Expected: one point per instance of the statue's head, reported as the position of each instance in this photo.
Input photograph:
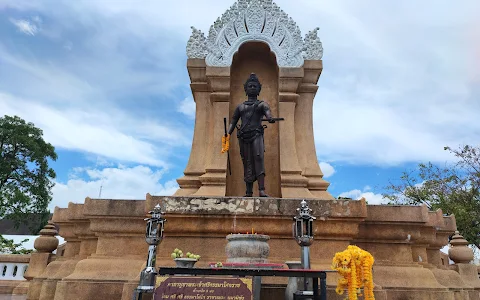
(252, 86)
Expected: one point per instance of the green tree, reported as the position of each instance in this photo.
(454, 188)
(8, 246)
(26, 179)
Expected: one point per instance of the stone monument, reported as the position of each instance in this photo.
(254, 37)
(105, 248)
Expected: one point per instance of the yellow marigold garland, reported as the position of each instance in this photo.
(225, 143)
(354, 266)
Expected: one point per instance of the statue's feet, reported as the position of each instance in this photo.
(262, 193)
(247, 195)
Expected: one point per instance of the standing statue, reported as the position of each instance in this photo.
(250, 135)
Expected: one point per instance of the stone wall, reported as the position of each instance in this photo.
(106, 249)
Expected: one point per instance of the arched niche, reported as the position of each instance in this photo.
(255, 57)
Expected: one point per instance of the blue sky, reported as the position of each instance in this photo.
(107, 82)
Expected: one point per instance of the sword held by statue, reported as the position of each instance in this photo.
(274, 119)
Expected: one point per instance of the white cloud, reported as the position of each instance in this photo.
(327, 169)
(187, 106)
(96, 100)
(116, 183)
(370, 197)
(25, 26)
(114, 135)
(399, 99)
(388, 94)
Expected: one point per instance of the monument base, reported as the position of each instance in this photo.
(200, 225)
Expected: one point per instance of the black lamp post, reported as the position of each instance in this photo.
(153, 237)
(303, 233)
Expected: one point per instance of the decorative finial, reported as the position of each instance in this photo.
(313, 45)
(47, 242)
(459, 251)
(197, 44)
(304, 211)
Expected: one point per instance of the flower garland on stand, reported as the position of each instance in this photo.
(355, 268)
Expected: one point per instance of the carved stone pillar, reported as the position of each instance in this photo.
(76, 227)
(304, 135)
(45, 244)
(190, 183)
(462, 255)
(116, 223)
(388, 233)
(214, 180)
(444, 226)
(293, 184)
(427, 241)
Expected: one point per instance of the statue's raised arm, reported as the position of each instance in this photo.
(267, 112)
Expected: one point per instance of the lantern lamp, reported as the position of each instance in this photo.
(153, 236)
(303, 234)
(303, 227)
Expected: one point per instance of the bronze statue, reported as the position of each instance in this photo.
(250, 135)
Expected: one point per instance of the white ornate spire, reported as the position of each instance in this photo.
(254, 20)
(313, 46)
(196, 45)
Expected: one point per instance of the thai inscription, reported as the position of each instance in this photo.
(203, 288)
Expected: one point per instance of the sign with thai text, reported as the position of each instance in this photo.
(203, 288)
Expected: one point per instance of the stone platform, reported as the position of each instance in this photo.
(106, 248)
